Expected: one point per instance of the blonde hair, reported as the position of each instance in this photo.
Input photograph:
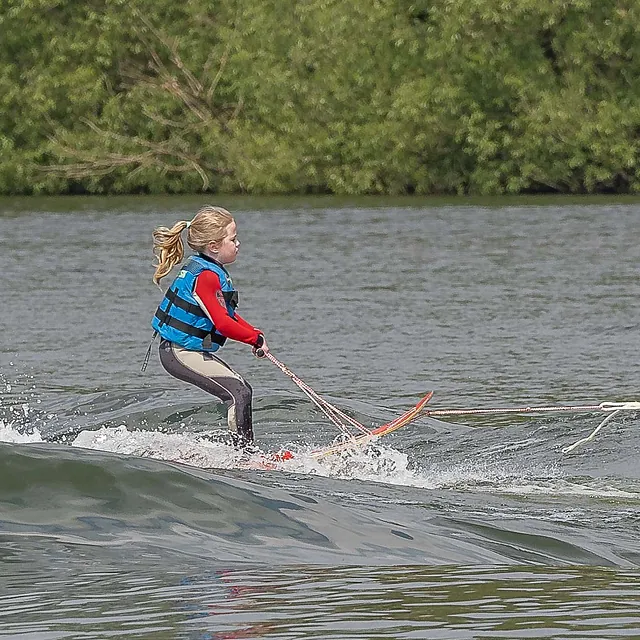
(208, 225)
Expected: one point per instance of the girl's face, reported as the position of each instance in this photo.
(226, 251)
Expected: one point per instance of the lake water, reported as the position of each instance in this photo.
(122, 514)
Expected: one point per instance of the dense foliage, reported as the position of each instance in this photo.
(339, 96)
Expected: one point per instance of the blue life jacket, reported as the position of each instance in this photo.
(181, 320)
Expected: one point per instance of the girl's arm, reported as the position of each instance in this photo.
(208, 293)
(242, 322)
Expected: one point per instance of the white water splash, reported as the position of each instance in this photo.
(9, 434)
(184, 448)
(197, 449)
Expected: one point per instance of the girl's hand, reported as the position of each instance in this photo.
(261, 349)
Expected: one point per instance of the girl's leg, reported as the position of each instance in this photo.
(214, 376)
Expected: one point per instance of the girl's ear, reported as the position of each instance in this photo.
(213, 247)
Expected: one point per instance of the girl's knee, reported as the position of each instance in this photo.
(240, 391)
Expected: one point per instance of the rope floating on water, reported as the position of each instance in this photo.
(614, 407)
(603, 406)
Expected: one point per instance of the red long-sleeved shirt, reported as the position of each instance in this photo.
(208, 292)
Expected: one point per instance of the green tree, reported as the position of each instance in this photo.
(409, 96)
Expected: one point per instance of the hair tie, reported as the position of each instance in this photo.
(188, 224)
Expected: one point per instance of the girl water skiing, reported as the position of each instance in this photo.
(198, 312)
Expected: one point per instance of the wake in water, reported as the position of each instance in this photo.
(495, 471)
(524, 458)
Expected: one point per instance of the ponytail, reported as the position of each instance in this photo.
(168, 248)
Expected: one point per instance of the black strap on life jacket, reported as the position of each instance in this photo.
(174, 299)
(145, 362)
(189, 329)
(230, 297)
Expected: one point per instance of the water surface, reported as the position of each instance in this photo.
(123, 513)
